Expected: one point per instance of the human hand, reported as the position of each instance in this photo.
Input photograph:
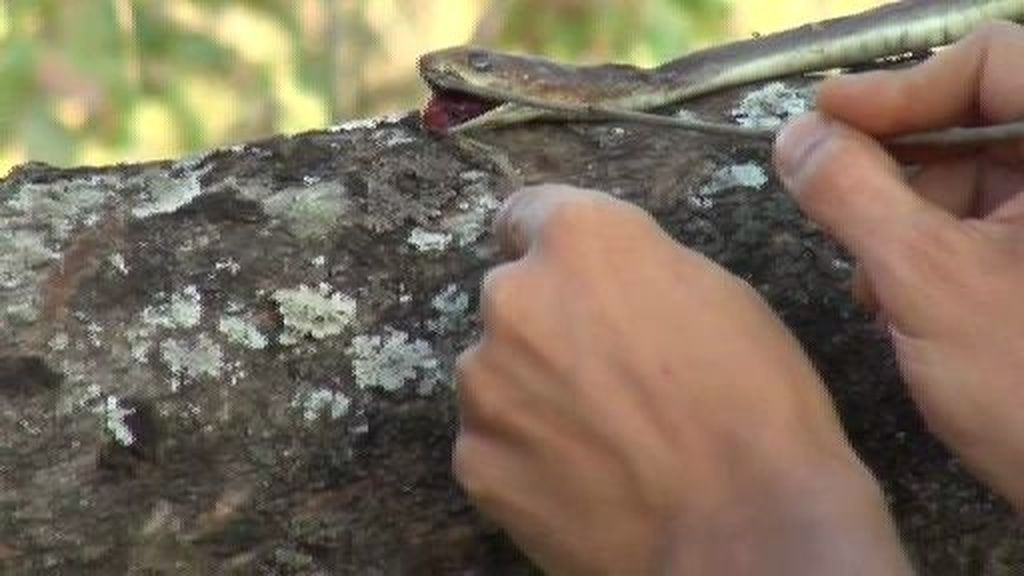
(634, 409)
(941, 253)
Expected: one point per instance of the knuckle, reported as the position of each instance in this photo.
(570, 219)
(463, 461)
(574, 222)
(503, 297)
(479, 401)
(468, 463)
(467, 368)
(479, 404)
(465, 364)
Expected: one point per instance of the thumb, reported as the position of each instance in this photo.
(847, 183)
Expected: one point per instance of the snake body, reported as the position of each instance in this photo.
(474, 87)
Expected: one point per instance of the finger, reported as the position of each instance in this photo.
(482, 466)
(846, 182)
(506, 304)
(863, 292)
(1002, 195)
(521, 221)
(475, 392)
(975, 81)
(952, 186)
(502, 483)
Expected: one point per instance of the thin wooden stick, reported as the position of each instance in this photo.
(959, 136)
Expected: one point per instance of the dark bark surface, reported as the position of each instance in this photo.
(241, 363)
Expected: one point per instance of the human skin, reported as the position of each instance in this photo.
(631, 408)
(941, 253)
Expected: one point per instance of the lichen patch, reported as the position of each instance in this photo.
(165, 194)
(36, 221)
(365, 123)
(452, 307)
(772, 105)
(308, 211)
(114, 421)
(428, 241)
(242, 332)
(473, 218)
(321, 402)
(390, 360)
(191, 359)
(316, 313)
(184, 310)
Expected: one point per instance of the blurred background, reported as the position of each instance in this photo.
(108, 81)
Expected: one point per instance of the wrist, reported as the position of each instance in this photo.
(820, 522)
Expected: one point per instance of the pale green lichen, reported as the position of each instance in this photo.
(472, 176)
(95, 332)
(165, 195)
(749, 175)
(59, 342)
(229, 264)
(191, 360)
(62, 208)
(78, 393)
(772, 105)
(36, 220)
(242, 332)
(313, 313)
(427, 241)
(391, 137)
(308, 212)
(118, 262)
(452, 306)
(365, 123)
(21, 252)
(474, 216)
(465, 225)
(391, 360)
(314, 403)
(24, 311)
(184, 310)
(114, 421)
(139, 342)
(235, 371)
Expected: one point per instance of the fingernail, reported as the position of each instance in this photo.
(796, 144)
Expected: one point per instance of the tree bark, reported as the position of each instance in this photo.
(241, 363)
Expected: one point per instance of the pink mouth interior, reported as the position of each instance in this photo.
(446, 110)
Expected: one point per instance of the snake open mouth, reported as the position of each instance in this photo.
(447, 109)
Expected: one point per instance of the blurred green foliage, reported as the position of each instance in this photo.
(650, 31)
(76, 73)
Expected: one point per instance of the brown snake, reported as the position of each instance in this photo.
(476, 88)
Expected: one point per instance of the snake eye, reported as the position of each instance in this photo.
(479, 61)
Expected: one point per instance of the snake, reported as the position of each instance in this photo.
(474, 87)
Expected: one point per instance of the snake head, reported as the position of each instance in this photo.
(464, 80)
(452, 75)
